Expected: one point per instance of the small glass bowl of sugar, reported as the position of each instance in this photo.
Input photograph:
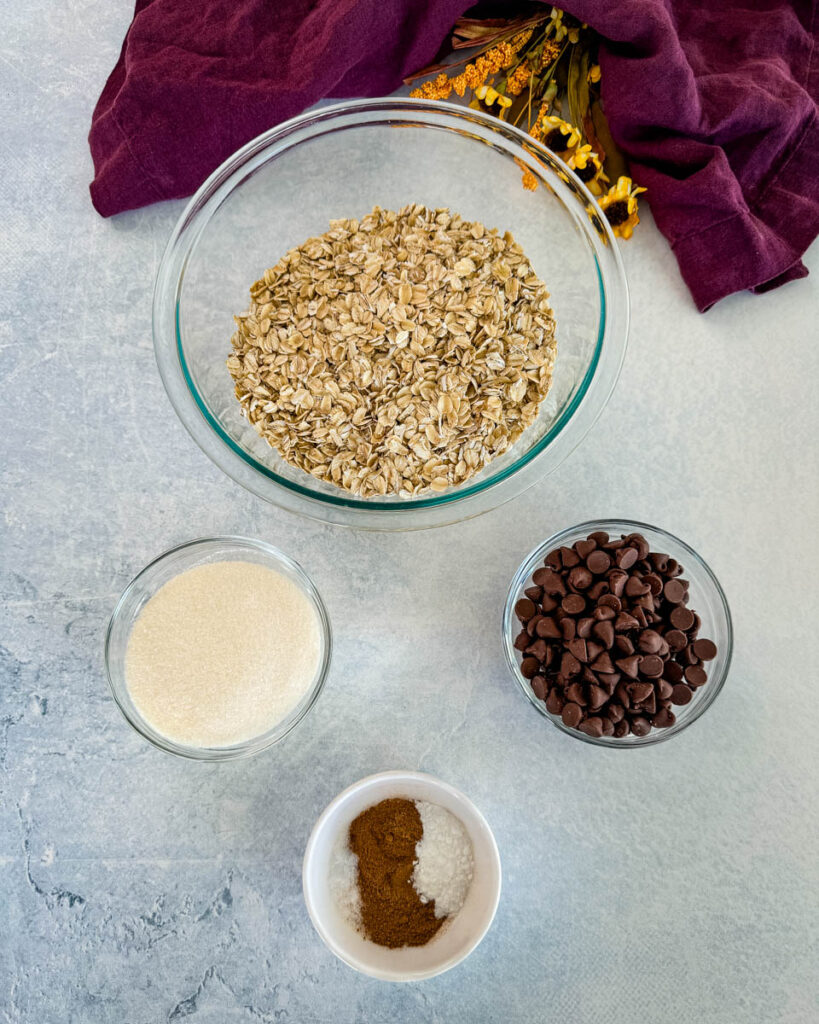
(218, 648)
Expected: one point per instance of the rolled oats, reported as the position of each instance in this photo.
(395, 354)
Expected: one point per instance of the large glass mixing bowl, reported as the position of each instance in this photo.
(340, 161)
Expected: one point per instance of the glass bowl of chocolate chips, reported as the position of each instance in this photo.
(618, 633)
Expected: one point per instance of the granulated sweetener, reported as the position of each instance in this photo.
(222, 653)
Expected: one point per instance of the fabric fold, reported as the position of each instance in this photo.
(714, 105)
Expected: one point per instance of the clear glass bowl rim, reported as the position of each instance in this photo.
(611, 283)
(709, 693)
(257, 743)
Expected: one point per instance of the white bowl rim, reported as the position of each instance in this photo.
(399, 775)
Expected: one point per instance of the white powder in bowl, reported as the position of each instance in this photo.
(344, 880)
(444, 865)
(222, 653)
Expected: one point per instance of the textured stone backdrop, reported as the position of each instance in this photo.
(674, 885)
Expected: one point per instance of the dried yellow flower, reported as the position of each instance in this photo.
(519, 79)
(586, 165)
(620, 207)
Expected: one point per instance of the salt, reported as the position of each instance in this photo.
(344, 880)
(444, 865)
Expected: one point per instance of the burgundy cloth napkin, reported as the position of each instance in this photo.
(715, 105)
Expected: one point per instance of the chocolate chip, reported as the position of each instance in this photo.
(621, 729)
(603, 612)
(664, 689)
(681, 694)
(539, 687)
(548, 629)
(569, 665)
(675, 638)
(597, 697)
(554, 702)
(553, 560)
(640, 692)
(663, 719)
(547, 604)
(585, 547)
(687, 656)
(654, 583)
(640, 726)
(674, 591)
(705, 650)
(598, 562)
(569, 558)
(622, 695)
(623, 645)
(571, 714)
(629, 666)
(610, 601)
(639, 542)
(659, 561)
(574, 693)
(681, 618)
(522, 640)
(651, 666)
(573, 604)
(602, 663)
(615, 713)
(604, 631)
(568, 629)
(525, 609)
(594, 649)
(584, 627)
(578, 649)
(537, 649)
(636, 588)
(608, 680)
(529, 667)
(626, 557)
(580, 578)
(624, 622)
(600, 537)
(550, 581)
(617, 582)
(534, 594)
(673, 671)
(696, 675)
(649, 641)
(592, 726)
(597, 590)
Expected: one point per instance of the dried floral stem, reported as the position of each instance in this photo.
(512, 72)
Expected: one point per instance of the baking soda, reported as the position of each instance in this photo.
(222, 653)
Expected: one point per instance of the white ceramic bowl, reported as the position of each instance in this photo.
(457, 940)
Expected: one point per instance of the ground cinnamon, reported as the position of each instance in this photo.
(383, 838)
